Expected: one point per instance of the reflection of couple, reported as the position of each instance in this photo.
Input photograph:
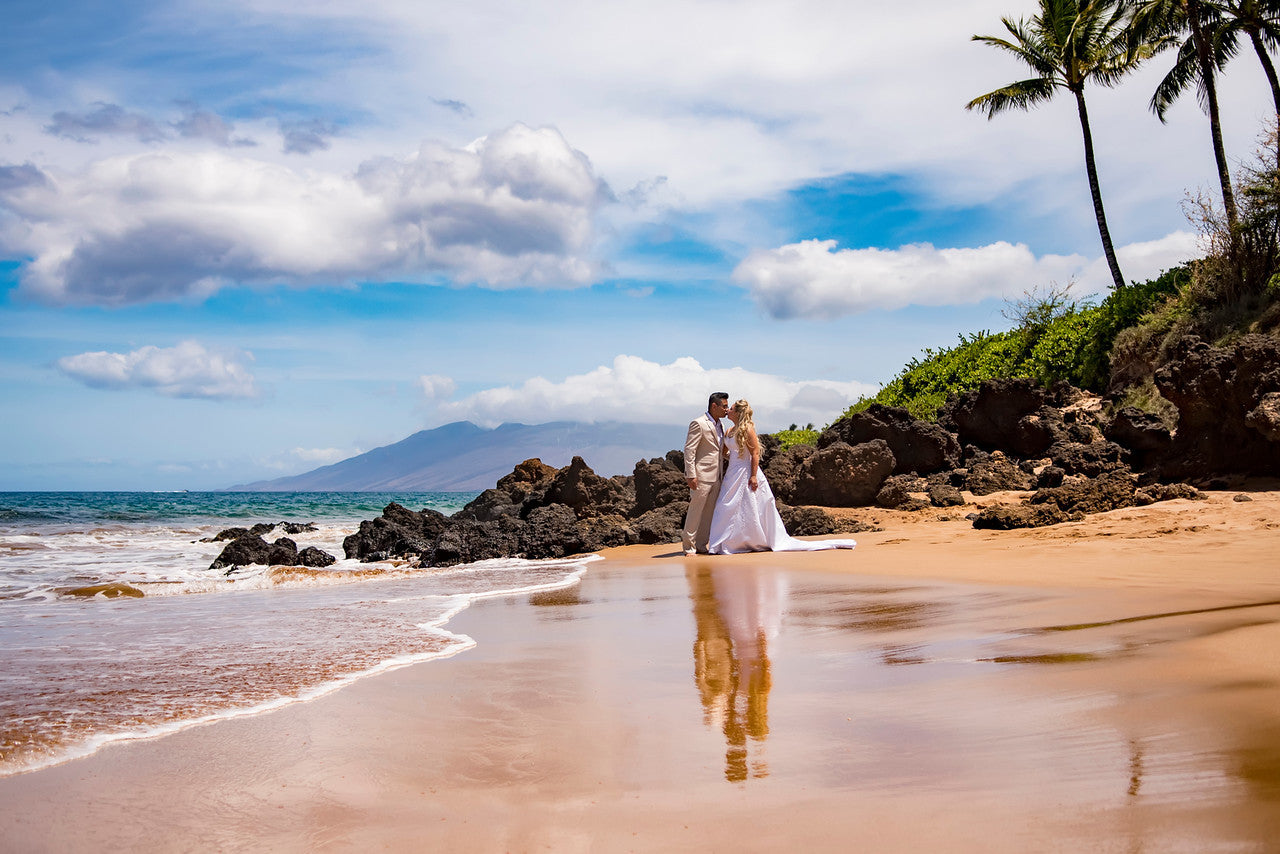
(738, 611)
(733, 512)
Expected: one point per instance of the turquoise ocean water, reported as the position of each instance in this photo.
(113, 627)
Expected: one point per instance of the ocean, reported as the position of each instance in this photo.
(113, 626)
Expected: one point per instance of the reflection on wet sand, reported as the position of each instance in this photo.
(737, 611)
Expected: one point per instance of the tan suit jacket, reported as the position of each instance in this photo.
(703, 457)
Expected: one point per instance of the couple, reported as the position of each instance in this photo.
(733, 512)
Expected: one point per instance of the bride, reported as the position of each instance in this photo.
(746, 518)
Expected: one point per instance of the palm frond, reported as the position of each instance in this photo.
(1022, 95)
(1185, 73)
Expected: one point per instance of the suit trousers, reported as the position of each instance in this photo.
(697, 522)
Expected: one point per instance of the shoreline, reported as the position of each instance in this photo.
(1113, 682)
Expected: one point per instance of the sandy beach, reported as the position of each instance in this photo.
(1105, 685)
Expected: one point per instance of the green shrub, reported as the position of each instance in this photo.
(796, 436)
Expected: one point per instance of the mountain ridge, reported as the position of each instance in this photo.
(462, 456)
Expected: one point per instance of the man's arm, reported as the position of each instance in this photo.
(690, 452)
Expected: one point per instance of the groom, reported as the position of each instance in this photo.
(703, 455)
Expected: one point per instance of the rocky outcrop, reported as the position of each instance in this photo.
(1226, 408)
(658, 483)
(1110, 491)
(588, 494)
(1006, 517)
(918, 446)
(806, 521)
(1089, 459)
(1265, 417)
(995, 473)
(783, 467)
(841, 475)
(1142, 433)
(250, 549)
(397, 532)
(1012, 416)
(945, 495)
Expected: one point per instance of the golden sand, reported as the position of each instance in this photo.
(1105, 685)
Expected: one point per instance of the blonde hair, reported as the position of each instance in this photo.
(743, 409)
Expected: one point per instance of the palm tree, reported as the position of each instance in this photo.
(1066, 45)
(1199, 58)
(1260, 21)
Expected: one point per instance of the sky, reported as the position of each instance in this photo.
(242, 239)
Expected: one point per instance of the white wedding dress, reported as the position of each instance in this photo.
(748, 521)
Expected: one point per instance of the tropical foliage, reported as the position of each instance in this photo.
(1068, 44)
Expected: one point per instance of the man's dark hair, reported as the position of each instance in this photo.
(722, 396)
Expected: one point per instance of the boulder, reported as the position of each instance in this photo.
(658, 482)
(1143, 433)
(297, 527)
(467, 541)
(1154, 492)
(918, 446)
(1225, 397)
(244, 550)
(996, 473)
(398, 532)
(489, 505)
(551, 531)
(1010, 415)
(770, 446)
(842, 475)
(1005, 517)
(1265, 417)
(284, 552)
(228, 534)
(586, 493)
(661, 524)
(806, 521)
(944, 495)
(1050, 476)
(896, 490)
(1110, 491)
(783, 467)
(527, 474)
(314, 557)
(603, 532)
(1090, 459)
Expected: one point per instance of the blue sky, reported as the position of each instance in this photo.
(243, 239)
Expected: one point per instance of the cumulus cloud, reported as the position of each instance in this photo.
(635, 389)
(436, 387)
(305, 137)
(202, 124)
(815, 280)
(511, 209)
(104, 120)
(187, 370)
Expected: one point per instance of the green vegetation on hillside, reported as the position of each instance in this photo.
(1115, 346)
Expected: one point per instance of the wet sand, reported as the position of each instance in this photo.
(1107, 685)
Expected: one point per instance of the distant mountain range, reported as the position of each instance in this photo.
(461, 456)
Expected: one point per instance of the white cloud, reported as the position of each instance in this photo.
(187, 370)
(513, 208)
(635, 389)
(322, 456)
(436, 386)
(813, 279)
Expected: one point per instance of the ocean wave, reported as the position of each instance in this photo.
(256, 654)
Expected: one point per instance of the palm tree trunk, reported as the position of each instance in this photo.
(1215, 122)
(1092, 168)
(1268, 67)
